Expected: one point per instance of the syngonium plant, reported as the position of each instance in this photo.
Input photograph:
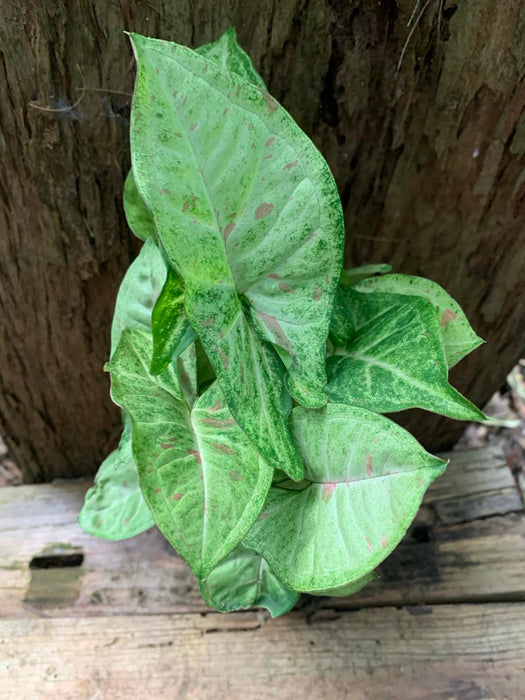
(252, 371)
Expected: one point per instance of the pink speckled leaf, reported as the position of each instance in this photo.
(389, 356)
(459, 339)
(365, 477)
(203, 480)
(248, 214)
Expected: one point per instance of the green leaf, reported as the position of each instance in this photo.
(357, 274)
(203, 480)
(244, 580)
(458, 337)
(171, 329)
(226, 52)
(366, 477)
(393, 357)
(249, 216)
(138, 292)
(114, 507)
(137, 213)
(230, 56)
(349, 588)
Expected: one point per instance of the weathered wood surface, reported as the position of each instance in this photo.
(467, 652)
(445, 620)
(467, 544)
(418, 107)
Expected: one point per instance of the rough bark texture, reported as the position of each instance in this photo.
(421, 121)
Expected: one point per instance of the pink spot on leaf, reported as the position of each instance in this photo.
(219, 423)
(168, 445)
(228, 229)
(271, 104)
(369, 470)
(327, 491)
(196, 454)
(263, 210)
(275, 328)
(291, 165)
(285, 287)
(236, 476)
(270, 141)
(176, 497)
(384, 542)
(448, 316)
(369, 545)
(317, 293)
(225, 449)
(224, 358)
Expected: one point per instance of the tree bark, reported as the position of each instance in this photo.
(417, 106)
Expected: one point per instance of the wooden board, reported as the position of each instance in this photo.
(470, 529)
(465, 651)
(446, 619)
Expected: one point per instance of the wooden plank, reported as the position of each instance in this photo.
(466, 651)
(477, 483)
(443, 558)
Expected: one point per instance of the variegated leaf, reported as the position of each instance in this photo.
(114, 507)
(137, 213)
(138, 292)
(171, 329)
(390, 357)
(203, 480)
(249, 216)
(458, 337)
(244, 580)
(365, 477)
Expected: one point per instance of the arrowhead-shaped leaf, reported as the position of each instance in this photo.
(365, 478)
(390, 356)
(203, 480)
(114, 507)
(244, 580)
(458, 337)
(172, 332)
(249, 216)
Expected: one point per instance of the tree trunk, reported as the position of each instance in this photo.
(417, 105)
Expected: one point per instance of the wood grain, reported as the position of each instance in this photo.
(446, 619)
(460, 651)
(477, 555)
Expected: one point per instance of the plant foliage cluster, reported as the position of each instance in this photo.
(252, 371)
